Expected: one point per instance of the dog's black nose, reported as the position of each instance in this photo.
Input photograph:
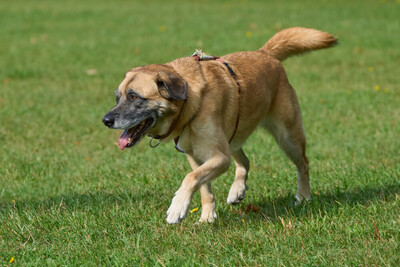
(108, 121)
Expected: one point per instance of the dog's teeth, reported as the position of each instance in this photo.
(129, 140)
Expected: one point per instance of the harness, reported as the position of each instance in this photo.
(199, 55)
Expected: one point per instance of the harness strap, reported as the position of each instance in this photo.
(201, 56)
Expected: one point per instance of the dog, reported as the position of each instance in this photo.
(209, 106)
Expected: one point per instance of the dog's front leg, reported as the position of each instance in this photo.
(217, 164)
(208, 213)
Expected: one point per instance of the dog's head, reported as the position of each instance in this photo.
(149, 99)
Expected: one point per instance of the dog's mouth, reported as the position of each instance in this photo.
(132, 136)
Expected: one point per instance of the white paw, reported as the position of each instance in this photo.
(208, 216)
(179, 207)
(236, 193)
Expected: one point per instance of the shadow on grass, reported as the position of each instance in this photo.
(274, 208)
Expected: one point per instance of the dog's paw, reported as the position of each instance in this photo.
(208, 215)
(300, 199)
(179, 207)
(236, 193)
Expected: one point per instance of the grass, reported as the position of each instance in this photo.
(68, 196)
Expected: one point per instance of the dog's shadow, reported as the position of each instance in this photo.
(274, 209)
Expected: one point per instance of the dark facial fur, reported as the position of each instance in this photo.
(130, 110)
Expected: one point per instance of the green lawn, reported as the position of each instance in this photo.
(69, 196)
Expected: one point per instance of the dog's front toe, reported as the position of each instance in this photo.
(174, 218)
(209, 219)
(300, 199)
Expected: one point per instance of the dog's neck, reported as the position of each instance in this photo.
(196, 84)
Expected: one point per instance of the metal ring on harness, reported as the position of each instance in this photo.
(153, 146)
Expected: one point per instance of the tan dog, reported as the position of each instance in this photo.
(210, 107)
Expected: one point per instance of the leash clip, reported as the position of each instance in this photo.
(202, 56)
(154, 146)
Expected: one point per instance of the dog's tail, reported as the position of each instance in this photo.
(297, 40)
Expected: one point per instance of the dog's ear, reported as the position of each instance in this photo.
(171, 87)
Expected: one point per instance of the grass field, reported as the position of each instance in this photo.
(69, 196)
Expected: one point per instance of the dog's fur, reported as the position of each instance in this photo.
(201, 102)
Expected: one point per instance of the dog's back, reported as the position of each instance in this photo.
(263, 79)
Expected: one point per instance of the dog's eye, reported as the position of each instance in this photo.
(134, 97)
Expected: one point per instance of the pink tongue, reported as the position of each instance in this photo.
(123, 140)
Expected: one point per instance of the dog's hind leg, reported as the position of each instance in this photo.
(291, 139)
(208, 213)
(284, 122)
(239, 187)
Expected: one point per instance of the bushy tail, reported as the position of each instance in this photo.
(297, 40)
